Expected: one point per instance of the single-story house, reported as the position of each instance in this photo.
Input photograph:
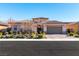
(50, 27)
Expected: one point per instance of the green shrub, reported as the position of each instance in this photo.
(71, 34)
(76, 34)
(41, 35)
(33, 35)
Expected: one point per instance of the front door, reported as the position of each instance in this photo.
(39, 29)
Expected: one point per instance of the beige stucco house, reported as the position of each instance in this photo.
(49, 27)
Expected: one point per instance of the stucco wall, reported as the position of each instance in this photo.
(72, 26)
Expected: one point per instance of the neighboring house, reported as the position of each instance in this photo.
(50, 27)
(77, 26)
(73, 26)
(3, 26)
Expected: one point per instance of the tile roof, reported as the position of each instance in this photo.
(40, 18)
(57, 22)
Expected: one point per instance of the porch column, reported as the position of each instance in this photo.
(64, 29)
(45, 28)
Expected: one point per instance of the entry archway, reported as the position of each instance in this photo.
(40, 29)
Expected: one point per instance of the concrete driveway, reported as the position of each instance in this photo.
(58, 36)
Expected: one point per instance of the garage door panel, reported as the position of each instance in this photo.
(54, 30)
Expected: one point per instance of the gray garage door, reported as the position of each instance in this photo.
(54, 30)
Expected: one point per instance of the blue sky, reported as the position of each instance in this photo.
(54, 11)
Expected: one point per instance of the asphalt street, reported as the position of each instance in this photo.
(39, 48)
